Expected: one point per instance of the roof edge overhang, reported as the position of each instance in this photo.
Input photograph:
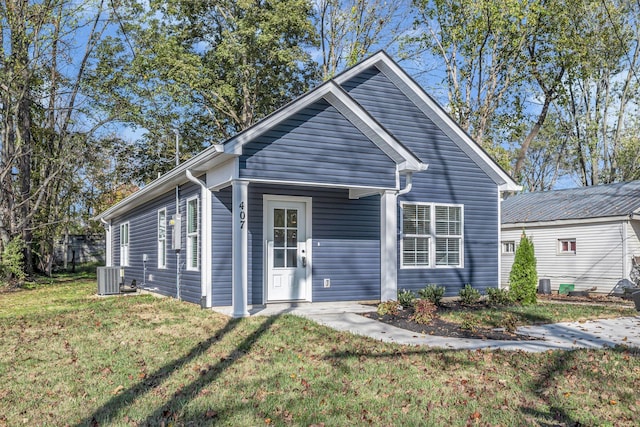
(177, 176)
(433, 110)
(562, 222)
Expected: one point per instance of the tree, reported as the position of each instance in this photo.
(45, 50)
(350, 30)
(207, 69)
(523, 278)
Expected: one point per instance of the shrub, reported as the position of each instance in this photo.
(388, 307)
(423, 311)
(469, 322)
(432, 293)
(406, 298)
(12, 262)
(523, 278)
(498, 296)
(469, 295)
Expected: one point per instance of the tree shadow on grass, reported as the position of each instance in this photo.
(122, 400)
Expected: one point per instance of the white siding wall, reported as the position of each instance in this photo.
(598, 258)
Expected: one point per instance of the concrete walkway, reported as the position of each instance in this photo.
(564, 336)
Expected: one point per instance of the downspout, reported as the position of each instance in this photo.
(205, 242)
(407, 185)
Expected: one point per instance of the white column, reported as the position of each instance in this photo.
(499, 238)
(109, 246)
(240, 212)
(205, 256)
(388, 246)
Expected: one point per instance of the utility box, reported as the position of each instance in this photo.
(108, 280)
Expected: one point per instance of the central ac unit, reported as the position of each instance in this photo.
(108, 280)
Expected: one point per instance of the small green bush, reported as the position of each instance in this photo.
(424, 311)
(432, 293)
(499, 296)
(469, 295)
(523, 279)
(12, 262)
(406, 298)
(388, 307)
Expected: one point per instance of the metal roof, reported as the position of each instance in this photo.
(598, 201)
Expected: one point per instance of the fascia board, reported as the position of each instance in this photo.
(436, 113)
(176, 176)
(562, 222)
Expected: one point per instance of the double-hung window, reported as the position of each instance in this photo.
(193, 224)
(566, 246)
(432, 235)
(162, 238)
(124, 244)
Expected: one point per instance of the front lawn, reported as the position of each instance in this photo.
(68, 357)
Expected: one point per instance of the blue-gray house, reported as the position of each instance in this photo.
(359, 188)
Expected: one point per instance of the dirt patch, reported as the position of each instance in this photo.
(600, 299)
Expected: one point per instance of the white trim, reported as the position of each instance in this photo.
(108, 244)
(558, 223)
(176, 176)
(189, 236)
(625, 250)
(435, 112)
(240, 261)
(206, 274)
(125, 256)
(500, 238)
(320, 184)
(569, 252)
(308, 201)
(388, 246)
(162, 265)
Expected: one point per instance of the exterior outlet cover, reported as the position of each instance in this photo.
(327, 283)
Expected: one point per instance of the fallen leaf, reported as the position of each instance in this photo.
(117, 389)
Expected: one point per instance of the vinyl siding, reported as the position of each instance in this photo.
(143, 239)
(597, 262)
(319, 145)
(452, 178)
(221, 251)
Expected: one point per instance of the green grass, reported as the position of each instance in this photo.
(68, 357)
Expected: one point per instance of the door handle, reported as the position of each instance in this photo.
(304, 261)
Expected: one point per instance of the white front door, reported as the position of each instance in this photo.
(287, 255)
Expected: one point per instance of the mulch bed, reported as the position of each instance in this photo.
(443, 328)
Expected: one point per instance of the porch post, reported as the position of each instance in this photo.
(240, 214)
(388, 246)
(108, 246)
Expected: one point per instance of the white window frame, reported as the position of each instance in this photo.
(193, 237)
(508, 247)
(162, 238)
(568, 252)
(432, 236)
(125, 244)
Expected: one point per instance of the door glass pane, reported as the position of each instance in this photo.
(278, 258)
(278, 217)
(292, 258)
(278, 238)
(292, 238)
(292, 217)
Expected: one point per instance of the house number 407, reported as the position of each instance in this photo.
(243, 215)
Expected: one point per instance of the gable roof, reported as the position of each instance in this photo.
(435, 113)
(600, 201)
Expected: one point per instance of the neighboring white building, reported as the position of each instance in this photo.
(583, 236)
